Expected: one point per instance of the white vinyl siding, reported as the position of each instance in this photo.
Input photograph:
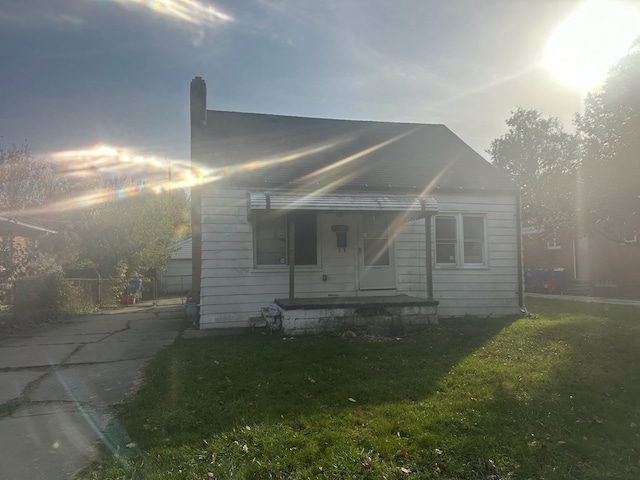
(411, 260)
(176, 277)
(490, 287)
(233, 289)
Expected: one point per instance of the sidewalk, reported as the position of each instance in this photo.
(574, 298)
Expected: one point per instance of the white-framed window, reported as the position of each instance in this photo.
(460, 240)
(271, 239)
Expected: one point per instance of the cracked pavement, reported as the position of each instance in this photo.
(61, 385)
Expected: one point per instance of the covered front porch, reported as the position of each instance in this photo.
(380, 315)
(363, 228)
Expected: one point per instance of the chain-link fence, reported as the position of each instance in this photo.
(174, 284)
(103, 292)
(108, 292)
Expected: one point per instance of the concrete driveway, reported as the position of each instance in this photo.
(61, 383)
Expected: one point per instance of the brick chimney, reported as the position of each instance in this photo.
(198, 102)
(198, 96)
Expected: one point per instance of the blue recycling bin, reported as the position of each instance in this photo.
(537, 280)
(135, 285)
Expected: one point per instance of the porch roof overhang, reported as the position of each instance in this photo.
(369, 202)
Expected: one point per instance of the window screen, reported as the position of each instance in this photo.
(473, 229)
(271, 239)
(446, 239)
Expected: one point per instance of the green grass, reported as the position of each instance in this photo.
(555, 397)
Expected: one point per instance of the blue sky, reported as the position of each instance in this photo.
(79, 72)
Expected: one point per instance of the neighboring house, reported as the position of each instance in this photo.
(333, 220)
(589, 265)
(176, 277)
(21, 232)
(17, 236)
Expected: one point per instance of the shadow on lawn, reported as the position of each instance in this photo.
(551, 398)
(202, 387)
(579, 419)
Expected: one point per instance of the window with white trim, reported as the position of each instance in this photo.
(271, 239)
(460, 240)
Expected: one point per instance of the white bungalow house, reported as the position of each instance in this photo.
(336, 223)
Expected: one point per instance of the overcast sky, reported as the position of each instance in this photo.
(77, 72)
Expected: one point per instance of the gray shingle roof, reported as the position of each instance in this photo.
(310, 153)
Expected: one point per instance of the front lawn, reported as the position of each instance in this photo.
(553, 397)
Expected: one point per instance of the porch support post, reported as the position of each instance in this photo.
(428, 257)
(291, 222)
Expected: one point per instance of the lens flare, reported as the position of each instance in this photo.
(128, 173)
(135, 173)
(193, 12)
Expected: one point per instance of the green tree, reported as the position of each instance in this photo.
(130, 236)
(26, 180)
(610, 130)
(542, 159)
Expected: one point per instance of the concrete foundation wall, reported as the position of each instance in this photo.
(374, 320)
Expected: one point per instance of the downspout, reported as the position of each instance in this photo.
(428, 255)
(519, 248)
(292, 255)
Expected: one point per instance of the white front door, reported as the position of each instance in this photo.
(376, 259)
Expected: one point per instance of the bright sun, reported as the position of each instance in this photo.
(588, 43)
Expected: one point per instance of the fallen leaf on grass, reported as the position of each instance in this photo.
(404, 470)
